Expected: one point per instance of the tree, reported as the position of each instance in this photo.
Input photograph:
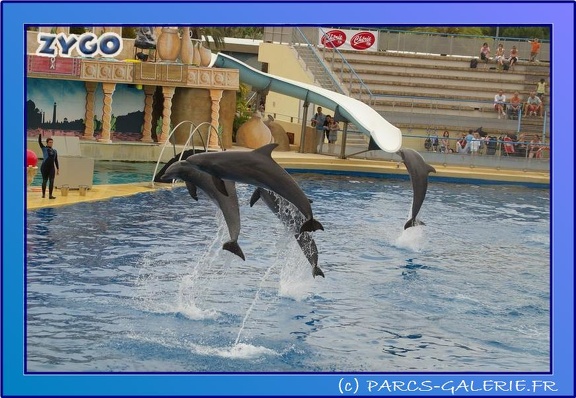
(217, 34)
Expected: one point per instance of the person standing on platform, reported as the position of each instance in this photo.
(49, 167)
(318, 122)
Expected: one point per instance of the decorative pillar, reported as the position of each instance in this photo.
(215, 96)
(108, 89)
(148, 102)
(89, 115)
(168, 93)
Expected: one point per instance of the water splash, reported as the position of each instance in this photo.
(413, 239)
(190, 292)
(254, 301)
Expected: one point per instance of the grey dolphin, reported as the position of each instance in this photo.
(293, 219)
(228, 204)
(256, 168)
(418, 170)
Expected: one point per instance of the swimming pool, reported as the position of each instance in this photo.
(141, 284)
(114, 172)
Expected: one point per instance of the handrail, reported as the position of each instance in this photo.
(351, 71)
(320, 62)
(193, 130)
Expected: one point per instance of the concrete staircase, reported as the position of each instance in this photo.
(419, 91)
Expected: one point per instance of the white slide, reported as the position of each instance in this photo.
(387, 136)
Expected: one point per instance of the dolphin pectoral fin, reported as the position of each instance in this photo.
(233, 247)
(220, 186)
(316, 271)
(431, 169)
(255, 197)
(311, 225)
(192, 190)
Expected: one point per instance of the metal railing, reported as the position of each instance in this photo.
(193, 130)
(527, 156)
(314, 64)
(422, 42)
(334, 57)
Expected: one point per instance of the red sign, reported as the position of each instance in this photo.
(55, 65)
(362, 40)
(334, 38)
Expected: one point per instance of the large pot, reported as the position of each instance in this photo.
(168, 45)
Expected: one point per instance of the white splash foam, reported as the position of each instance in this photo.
(413, 238)
(237, 351)
(296, 281)
(194, 313)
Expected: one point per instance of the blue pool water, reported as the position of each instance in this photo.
(112, 172)
(141, 283)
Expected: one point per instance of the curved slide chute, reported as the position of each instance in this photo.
(387, 136)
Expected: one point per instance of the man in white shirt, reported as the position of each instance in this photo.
(500, 104)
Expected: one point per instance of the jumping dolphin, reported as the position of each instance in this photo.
(418, 170)
(228, 204)
(293, 219)
(256, 168)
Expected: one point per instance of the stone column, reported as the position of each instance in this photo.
(108, 89)
(215, 96)
(89, 115)
(168, 93)
(148, 102)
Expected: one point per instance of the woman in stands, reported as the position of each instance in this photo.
(499, 58)
(513, 59)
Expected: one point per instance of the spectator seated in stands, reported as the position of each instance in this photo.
(533, 106)
(508, 145)
(491, 144)
(500, 57)
(534, 148)
(500, 104)
(461, 144)
(513, 59)
(514, 106)
(485, 54)
(521, 148)
(445, 142)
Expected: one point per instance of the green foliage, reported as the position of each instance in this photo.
(243, 111)
(77, 30)
(216, 35)
(129, 32)
(528, 32)
(452, 30)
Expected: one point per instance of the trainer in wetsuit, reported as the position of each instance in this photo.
(49, 167)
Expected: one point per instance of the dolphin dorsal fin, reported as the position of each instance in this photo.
(266, 150)
(431, 169)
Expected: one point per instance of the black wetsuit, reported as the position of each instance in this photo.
(48, 167)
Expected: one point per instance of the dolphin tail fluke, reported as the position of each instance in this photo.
(316, 271)
(311, 225)
(233, 247)
(412, 223)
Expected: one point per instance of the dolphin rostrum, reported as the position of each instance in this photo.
(418, 170)
(293, 219)
(256, 168)
(228, 204)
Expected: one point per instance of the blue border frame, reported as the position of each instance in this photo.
(13, 140)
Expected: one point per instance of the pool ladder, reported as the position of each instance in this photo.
(193, 130)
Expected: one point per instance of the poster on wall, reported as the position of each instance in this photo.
(348, 39)
(58, 107)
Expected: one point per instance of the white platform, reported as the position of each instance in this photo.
(75, 169)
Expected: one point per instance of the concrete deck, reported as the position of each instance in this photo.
(298, 162)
